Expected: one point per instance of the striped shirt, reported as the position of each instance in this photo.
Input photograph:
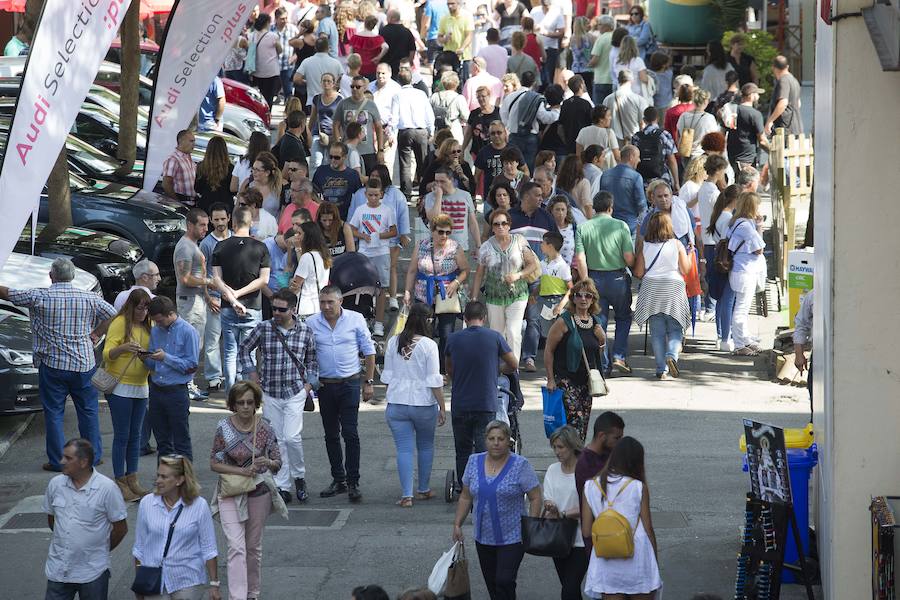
(181, 168)
(193, 541)
(62, 319)
(279, 375)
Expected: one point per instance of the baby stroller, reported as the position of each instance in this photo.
(358, 279)
(510, 402)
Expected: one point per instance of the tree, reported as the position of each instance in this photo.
(128, 101)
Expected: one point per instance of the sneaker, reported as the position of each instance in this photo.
(353, 493)
(662, 376)
(285, 495)
(528, 366)
(336, 487)
(620, 365)
(195, 393)
(300, 487)
(672, 364)
(726, 346)
(148, 450)
(378, 329)
(214, 387)
(393, 304)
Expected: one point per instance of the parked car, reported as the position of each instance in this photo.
(18, 375)
(249, 97)
(149, 53)
(107, 257)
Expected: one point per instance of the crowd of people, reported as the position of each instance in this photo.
(554, 156)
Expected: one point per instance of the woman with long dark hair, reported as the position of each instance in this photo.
(574, 184)
(313, 269)
(713, 78)
(128, 334)
(415, 398)
(267, 74)
(214, 176)
(622, 482)
(338, 235)
(717, 282)
(257, 143)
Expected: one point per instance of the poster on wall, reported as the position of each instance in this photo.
(767, 462)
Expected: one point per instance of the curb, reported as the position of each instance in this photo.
(11, 438)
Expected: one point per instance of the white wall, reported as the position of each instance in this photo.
(857, 370)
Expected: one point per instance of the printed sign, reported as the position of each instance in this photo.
(767, 462)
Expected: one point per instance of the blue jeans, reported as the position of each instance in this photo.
(615, 291)
(665, 337)
(444, 326)
(54, 386)
(528, 144)
(724, 310)
(169, 416)
(127, 419)
(92, 590)
(287, 83)
(601, 91)
(468, 436)
(212, 353)
(413, 429)
(532, 337)
(339, 405)
(234, 330)
(709, 254)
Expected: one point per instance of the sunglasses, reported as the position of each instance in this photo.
(333, 157)
(584, 296)
(457, 151)
(500, 224)
(280, 309)
(443, 231)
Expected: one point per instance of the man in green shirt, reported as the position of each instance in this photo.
(455, 31)
(603, 84)
(603, 248)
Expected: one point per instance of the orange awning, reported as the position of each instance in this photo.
(148, 7)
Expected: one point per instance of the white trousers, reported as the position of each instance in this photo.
(286, 418)
(744, 286)
(507, 321)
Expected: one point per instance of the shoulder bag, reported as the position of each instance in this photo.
(724, 259)
(148, 580)
(535, 273)
(686, 141)
(548, 537)
(310, 404)
(596, 384)
(232, 484)
(250, 61)
(104, 381)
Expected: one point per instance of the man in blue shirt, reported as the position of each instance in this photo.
(212, 107)
(173, 356)
(432, 13)
(473, 364)
(336, 180)
(627, 187)
(327, 29)
(341, 336)
(532, 222)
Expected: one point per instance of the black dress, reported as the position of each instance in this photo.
(207, 196)
(574, 384)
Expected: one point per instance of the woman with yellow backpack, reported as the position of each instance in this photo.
(615, 514)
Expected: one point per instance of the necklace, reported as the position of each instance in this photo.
(170, 506)
(493, 468)
(586, 323)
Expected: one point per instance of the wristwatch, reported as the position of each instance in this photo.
(214, 583)
(369, 382)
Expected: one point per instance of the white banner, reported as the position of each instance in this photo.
(198, 37)
(70, 42)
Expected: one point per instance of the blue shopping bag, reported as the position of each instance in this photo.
(554, 410)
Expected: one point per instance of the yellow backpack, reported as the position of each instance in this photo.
(611, 532)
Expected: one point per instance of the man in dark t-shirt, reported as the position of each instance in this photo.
(240, 270)
(474, 358)
(487, 160)
(400, 41)
(749, 132)
(575, 113)
(784, 106)
(608, 430)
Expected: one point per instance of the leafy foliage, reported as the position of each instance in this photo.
(730, 14)
(761, 46)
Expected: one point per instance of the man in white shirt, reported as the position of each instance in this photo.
(304, 10)
(415, 125)
(312, 68)
(626, 109)
(146, 277)
(386, 95)
(86, 513)
(550, 25)
(264, 225)
(524, 111)
(481, 77)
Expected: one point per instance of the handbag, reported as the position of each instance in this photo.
(596, 384)
(686, 141)
(437, 581)
(534, 274)
(148, 580)
(457, 587)
(548, 537)
(104, 381)
(232, 484)
(310, 404)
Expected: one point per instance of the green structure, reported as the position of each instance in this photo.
(683, 22)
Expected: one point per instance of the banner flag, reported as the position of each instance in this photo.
(70, 41)
(198, 36)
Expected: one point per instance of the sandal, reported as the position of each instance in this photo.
(427, 495)
(405, 502)
(746, 351)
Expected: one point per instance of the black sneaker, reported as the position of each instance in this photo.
(336, 487)
(300, 486)
(353, 493)
(214, 387)
(285, 495)
(147, 450)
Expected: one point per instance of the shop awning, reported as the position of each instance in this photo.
(148, 7)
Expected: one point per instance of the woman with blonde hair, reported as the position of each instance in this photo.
(266, 179)
(214, 176)
(749, 271)
(662, 299)
(630, 58)
(127, 336)
(245, 445)
(292, 104)
(452, 103)
(693, 177)
(176, 506)
(580, 45)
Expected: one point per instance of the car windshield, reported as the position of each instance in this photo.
(110, 100)
(96, 161)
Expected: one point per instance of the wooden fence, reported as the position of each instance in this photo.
(791, 163)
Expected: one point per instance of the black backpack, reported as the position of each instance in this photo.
(653, 162)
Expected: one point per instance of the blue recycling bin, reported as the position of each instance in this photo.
(800, 466)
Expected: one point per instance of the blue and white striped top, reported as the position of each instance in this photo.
(193, 542)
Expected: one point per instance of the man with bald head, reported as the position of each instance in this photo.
(627, 187)
(400, 41)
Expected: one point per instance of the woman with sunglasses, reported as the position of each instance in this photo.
(245, 444)
(191, 566)
(128, 335)
(503, 262)
(439, 264)
(265, 177)
(415, 400)
(502, 195)
(565, 353)
(640, 30)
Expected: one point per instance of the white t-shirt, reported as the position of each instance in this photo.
(560, 489)
(687, 192)
(701, 123)
(315, 277)
(373, 221)
(242, 168)
(555, 274)
(457, 206)
(266, 227)
(353, 160)
(567, 252)
(635, 65)
(600, 136)
(548, 23)
(706, 199)
(666, 266)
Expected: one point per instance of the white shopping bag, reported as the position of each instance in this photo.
(437, 581)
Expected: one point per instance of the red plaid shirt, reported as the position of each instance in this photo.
(181, 168)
